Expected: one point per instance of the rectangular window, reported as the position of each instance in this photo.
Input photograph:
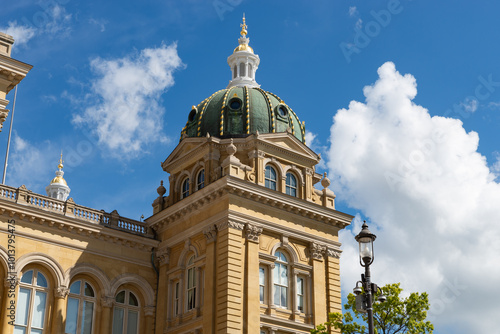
(262, 283)
(118, 321)
(191, 292)
(300, 294)
(176, 299)
(72, 315)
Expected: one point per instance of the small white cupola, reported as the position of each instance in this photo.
(58, 188)
(243, 62)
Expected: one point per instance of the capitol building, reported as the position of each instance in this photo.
(243, 238)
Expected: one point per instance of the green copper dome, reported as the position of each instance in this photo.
(240, 111)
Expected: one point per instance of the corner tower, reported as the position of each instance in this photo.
(247, 243)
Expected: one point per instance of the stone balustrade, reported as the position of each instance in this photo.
(69, 208)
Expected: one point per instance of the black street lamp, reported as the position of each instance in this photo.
(364, 301)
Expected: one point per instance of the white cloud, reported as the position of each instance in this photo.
(30, 164)
(430, 198)
(353, 11)
(100, 23)
(22, 34)
(128, 113)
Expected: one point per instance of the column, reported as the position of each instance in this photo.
(149, 312)
(319, 288)
(163, 256)
(107, 305)
(252, 304)
(59, 313)
(210, 282)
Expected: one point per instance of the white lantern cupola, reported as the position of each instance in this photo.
(243, 62)
(58, 188)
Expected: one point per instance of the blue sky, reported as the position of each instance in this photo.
(113, 83)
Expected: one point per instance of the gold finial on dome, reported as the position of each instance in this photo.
(243, 40)
(244, 27)
(60, 166)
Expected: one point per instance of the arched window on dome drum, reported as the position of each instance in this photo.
(185, 188)
(126, 313)
(80, 309)
(235, 71)
(291, 185)
(243, 72)
(31, 303)
(280, 280)
(250, 72)
(200, 180)
(270, 178)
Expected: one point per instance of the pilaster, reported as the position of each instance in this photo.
(59, 312)
(252, 307)
(209, 291)
(229, 278)
(319, 286)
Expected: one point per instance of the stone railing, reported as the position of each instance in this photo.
(69, 208)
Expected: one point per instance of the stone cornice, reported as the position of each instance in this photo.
(66, 226)
(241, 188)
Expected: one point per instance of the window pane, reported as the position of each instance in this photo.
(300, 303)
(36, 331)
(71, 315)
(284, 275)
(22, 306)
(40, 280)
(283, 297)
(75, 288)
(118, 321)
(261, 293)
(88, 312)
(19, 330)
(133, 300)
(277, 295)
(191, 299)
(132, 322)
(120, 298)
(89, 292)
(39, 309)
(276, 276)
(300, 283)
(262, 276)
(27, 277)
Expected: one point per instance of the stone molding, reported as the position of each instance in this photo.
(253, 232)
(149, 311)
(230, 224)
(333, 253)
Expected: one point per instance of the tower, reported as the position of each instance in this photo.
(247, 243)
(58, 188)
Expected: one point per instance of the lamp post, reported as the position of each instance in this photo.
(364, 301)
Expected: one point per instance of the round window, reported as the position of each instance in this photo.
(283, 112)
(235, 104)
(192, 115)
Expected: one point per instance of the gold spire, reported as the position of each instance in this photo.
(60, 166)
(244, 27)
(59, 173)
(243, 39)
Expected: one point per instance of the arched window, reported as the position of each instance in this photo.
(191, 284)
(243, 68)
(80, 309)
(250, 72)
(270, 177)
(126, 313)
(235, 71)
(280, 280)
(291, 185)
(200, 179)
(31, 303)
(185, 188)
